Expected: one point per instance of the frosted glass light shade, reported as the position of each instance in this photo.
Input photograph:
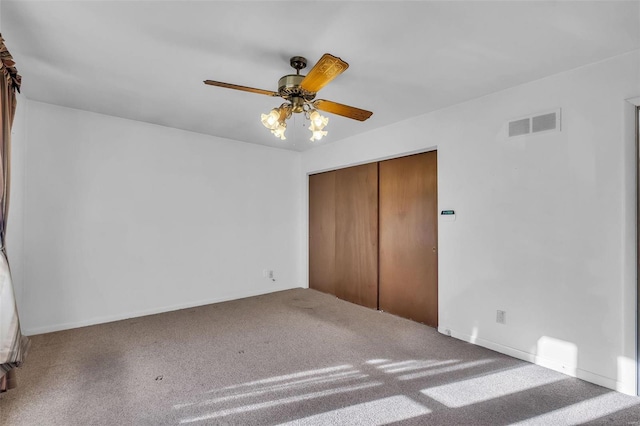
(270, 121)
(318, 122)
(316, 135)
(279, 131)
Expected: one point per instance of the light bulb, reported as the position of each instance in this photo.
(270, 121)
(278, 131)
(316, 135)
(317, 121)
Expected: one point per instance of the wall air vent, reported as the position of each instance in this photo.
(545, 122)
(519, 127)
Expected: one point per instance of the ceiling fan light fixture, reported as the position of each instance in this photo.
(279, 130)
(292, 89)
(316, 135)
(300, 91)
(318, 122)
(276, 120)
(270, 121)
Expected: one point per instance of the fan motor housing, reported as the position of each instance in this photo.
(289, 86)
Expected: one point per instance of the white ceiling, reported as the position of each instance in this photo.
(146, 60)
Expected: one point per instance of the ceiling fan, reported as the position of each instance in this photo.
(300, 91)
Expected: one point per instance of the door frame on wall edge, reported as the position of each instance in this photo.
(636, 102)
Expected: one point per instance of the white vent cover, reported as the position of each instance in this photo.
(544, 122)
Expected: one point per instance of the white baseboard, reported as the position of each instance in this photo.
(570, 370)
(30, 331)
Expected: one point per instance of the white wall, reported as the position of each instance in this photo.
(545, 224)
(124, 218)
(15, 224)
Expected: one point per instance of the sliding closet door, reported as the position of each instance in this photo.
(356, 247)
(409, 237)
(322, 232)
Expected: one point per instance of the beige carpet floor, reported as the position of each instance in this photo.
(296, 357)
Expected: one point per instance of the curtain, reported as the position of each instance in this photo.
(13, 345)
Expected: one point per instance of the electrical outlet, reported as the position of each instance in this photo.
(501, 317)
(270, 275)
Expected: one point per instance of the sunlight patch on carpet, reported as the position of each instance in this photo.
(584, 411)
(444, 369)
(412, 365)
(290, 376)
(379, 412)
(281, 401)
(281, 387)
(491, 386)
(376, 361)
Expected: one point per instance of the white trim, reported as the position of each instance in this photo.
(635, 101)
(569, 370)
(373, 160)
(119, 317)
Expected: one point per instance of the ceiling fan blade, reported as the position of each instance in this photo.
(343, 110)
(325, 70)
(243, 88)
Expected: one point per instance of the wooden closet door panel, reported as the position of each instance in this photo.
(322, 232)
(409, 237)
(357, 235)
